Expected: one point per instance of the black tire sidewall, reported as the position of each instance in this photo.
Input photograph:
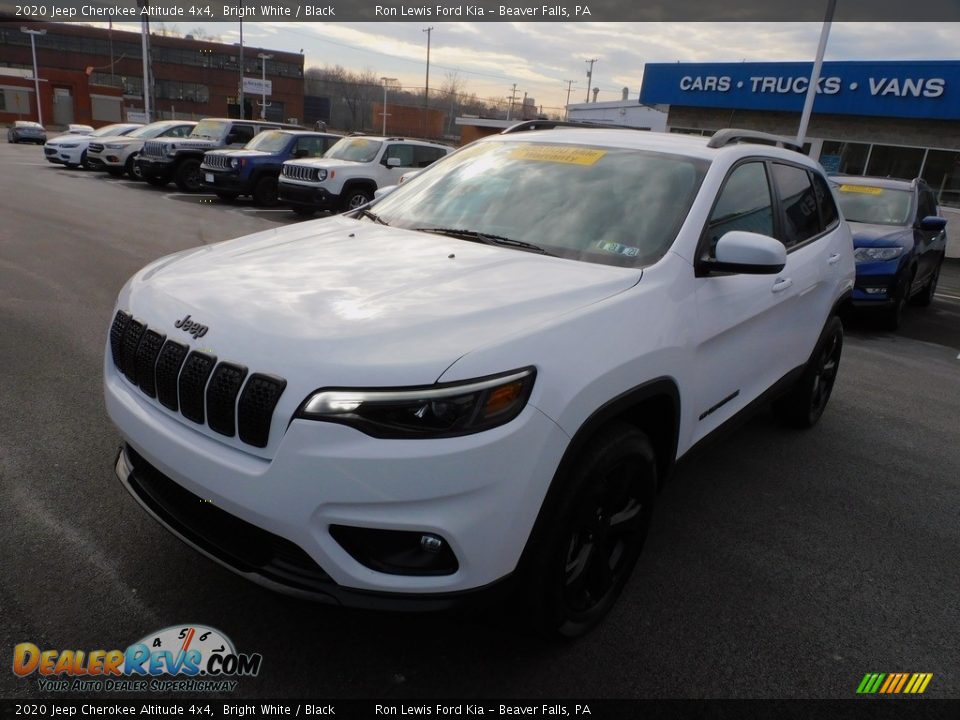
(544, 579)
(265, 191)
(186, 168)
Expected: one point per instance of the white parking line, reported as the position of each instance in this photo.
(946, 297)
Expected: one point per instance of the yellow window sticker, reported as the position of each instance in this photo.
(558, 153)
(861, 189)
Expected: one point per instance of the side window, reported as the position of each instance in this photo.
(424, 156)
(743, 204)
(403, 152)
(242, 134)
(800, 214)
(828, 206)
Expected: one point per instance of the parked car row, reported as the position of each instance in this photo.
(308, 170)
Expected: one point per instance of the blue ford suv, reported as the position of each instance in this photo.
(253, 169)
(899, 242)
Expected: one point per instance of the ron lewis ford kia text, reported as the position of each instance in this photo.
(478, 382)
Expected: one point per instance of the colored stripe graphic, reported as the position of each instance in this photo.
(894, 683)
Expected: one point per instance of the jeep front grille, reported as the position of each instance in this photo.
(95, 147)
(300, 172)
(217, 162)
(152, 148)
(194, 384)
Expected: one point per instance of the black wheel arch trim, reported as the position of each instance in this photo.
(661, 388)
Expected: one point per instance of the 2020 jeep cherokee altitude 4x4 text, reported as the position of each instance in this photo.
(481, 379)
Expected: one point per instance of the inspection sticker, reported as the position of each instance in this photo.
(861, 189)
(558, 153)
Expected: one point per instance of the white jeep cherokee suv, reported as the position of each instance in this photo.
(481, 380)
(350, 172)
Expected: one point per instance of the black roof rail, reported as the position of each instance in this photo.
(551, 124)
(729, 136)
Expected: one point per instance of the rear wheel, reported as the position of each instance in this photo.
(596, 533)
(265, 191)
(188, 176)
(925, 297)
(803, 405)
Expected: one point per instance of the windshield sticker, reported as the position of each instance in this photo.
(861, 189)
(558, 153)
(612, 247)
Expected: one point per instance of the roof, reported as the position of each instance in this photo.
(310, 133)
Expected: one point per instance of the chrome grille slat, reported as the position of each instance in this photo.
(300, 172)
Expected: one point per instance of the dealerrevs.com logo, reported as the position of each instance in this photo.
(180, 658)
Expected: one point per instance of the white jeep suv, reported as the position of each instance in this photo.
(350, 173)
(481, 380)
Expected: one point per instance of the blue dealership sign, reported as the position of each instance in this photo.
(907, 89)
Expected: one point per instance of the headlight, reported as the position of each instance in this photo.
(875, 254)
(321, 175)
(432, 411)
(236, 163)
(169, 149)
(68, 145)
(115, 146)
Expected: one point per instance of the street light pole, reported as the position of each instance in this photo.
(263, 88)
(815, 73)
(243, 114)
(384, 113)
(36, 77)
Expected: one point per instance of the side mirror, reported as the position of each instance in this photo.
(301, 153)
(385, 190)
(933, 223)
(393, 162)
(750, 253)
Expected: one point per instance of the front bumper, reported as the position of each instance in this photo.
(155, 167)
(876, 283)
(61, 155)
(307, 196)
(223, 181)
(480, 493)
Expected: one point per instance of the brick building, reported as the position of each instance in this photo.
(191, 78)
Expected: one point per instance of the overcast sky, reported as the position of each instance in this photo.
(540, 57)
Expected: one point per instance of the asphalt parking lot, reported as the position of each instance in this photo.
(780, 564)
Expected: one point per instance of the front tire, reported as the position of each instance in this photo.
(265, 192)
(595, 535)
(187, 176)
(803, 405)
(352, 199)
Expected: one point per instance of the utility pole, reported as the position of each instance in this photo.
(263, 88)
(385, 81)
(590, 77)
(426, 88)
(815, 73)
(144, 6)
(36, 77)
(566, 108)
(243, 114)
(513, 97)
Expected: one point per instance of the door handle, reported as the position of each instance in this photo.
(834, 259)
(781, 284)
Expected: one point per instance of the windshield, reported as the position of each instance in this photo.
(270, 141)
(606, 205)
(874, 205)
(110, 130)
(209, 129)
(357, 149)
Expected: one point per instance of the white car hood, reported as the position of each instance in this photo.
(324, 163)
(345, 302)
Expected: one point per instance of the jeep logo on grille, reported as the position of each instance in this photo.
(194, 328)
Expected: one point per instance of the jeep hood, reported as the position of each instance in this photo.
(240, 152)
(345, 302)
(325, 163)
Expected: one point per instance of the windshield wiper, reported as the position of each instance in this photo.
(372, 215)
(487, 239)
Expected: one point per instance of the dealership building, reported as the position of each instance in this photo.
(886, 118)
(95, 76)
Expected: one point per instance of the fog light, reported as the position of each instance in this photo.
(875, 291)
(397, 552)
